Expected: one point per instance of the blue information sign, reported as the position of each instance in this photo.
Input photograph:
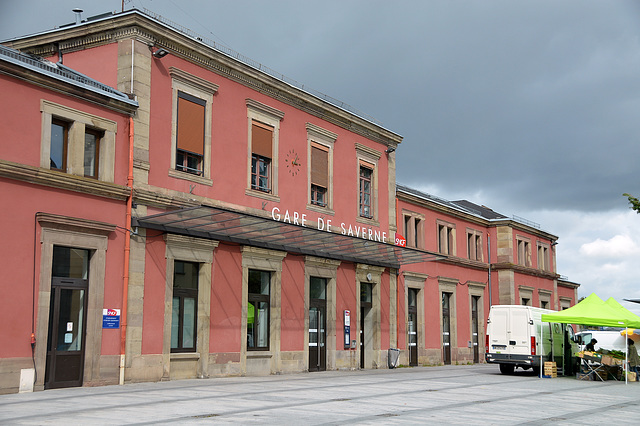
(111, 318)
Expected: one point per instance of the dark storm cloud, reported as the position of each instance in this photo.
(532, 103)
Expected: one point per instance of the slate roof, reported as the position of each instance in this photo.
(460, 205)
(61, 72)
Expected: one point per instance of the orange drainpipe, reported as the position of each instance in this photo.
(127, 249)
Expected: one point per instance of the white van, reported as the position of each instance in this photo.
(516, 337)
(609, 340)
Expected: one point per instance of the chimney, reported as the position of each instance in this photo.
(78, 13)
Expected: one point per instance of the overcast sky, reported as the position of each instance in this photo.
(528, 107)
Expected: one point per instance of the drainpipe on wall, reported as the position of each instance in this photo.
(127, 249)
(489, 255)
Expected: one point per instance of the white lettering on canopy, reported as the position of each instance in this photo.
(296, 218)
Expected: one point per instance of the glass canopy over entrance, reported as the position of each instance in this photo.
(243, 228)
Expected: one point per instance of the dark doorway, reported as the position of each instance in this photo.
(317, 324)
(412, 326)
(67, 318)
(474, 328)
(366, 298)
(446, 328)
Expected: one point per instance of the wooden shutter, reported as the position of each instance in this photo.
(261, 139)
(319, 166)
(191, 118)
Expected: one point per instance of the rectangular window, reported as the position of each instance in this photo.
(524, 252)
(413, 226)
(91, 152)
(184, 309)
(543, 258)
(190, 133)
(474, 245)
(318, 196)
(258, 310)
(261, 147)
(319, 174)
(260, 171)
(59, 144)
(366, 173)
(77, 143)
(446, 239)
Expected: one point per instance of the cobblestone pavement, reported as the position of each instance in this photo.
(470, 394)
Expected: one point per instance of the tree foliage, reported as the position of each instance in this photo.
(635, 203)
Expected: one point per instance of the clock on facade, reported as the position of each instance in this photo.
(293, 162)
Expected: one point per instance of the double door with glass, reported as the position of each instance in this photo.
(317, 324)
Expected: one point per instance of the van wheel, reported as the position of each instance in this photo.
(507, 368)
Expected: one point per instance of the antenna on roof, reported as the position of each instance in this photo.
(78, 13)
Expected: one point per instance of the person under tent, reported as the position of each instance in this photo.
(632, 357)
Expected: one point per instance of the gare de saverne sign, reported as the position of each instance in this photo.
(366, 233)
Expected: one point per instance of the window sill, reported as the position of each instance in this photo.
(259, 354)
(367, 221)
(263, 195)
(188, 176)
(319, 209)
(185, 356)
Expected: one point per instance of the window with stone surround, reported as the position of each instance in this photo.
(474, 245)
(76, 142)
(523, 247)
(367, 184)
(544, 262)
(446, 238)
(192, 110)
(263, 130)
(320, 145)
(413, 229)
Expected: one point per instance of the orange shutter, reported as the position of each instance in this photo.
(191, 118)
(261, 139)
(319, 166)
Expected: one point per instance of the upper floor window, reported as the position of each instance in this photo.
(59, 144)
(474, 245)
(92, 139)
(366, 175)
(367, 184)
(191, 127)
(414, 229)
(262, 152)
(263, 131)
(446, 238)
(544, 263)
(190, 134)
(320, 158)
(319, 175)
(77, 143)
(524, 251)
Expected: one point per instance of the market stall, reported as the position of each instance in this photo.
(600, 366)
(593, 311)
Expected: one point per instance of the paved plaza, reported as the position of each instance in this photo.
(470, 394)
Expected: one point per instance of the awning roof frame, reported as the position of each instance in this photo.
(221, 224)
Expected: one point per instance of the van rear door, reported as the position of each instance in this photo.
(520, 337)
(499, 327)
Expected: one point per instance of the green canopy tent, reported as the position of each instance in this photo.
(594, 311)
(630, 316)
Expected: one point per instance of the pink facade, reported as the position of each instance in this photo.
(246, 253)
(470, 238)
